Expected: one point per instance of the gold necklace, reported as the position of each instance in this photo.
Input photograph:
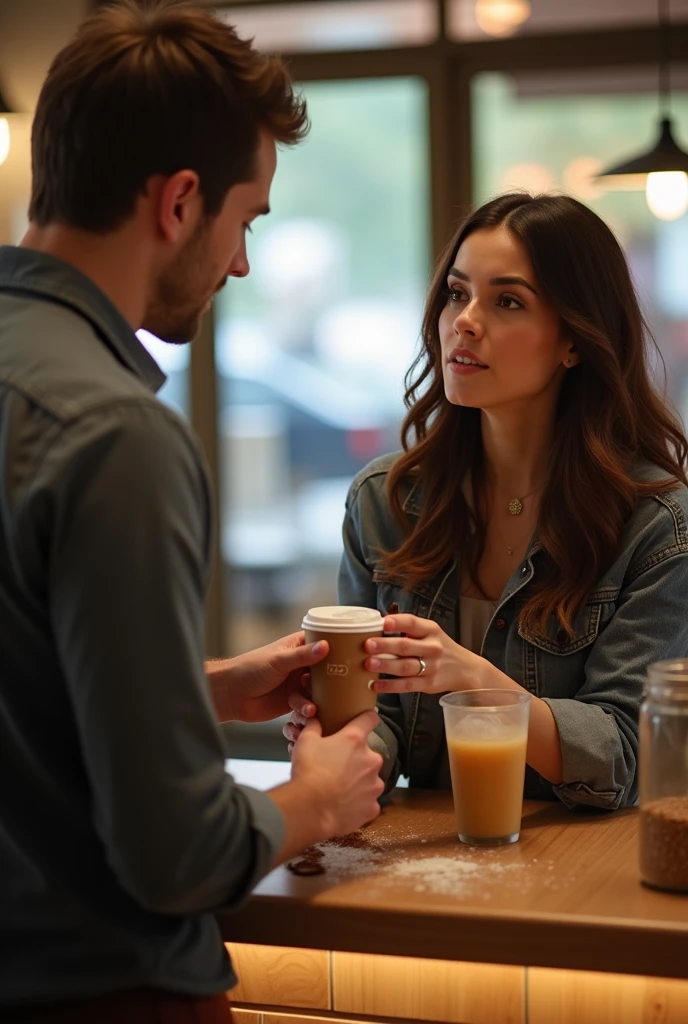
(510, 548)
(515, 506)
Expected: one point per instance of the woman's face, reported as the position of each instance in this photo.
(495, 317)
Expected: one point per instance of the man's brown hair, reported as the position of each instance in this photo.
(152, 90)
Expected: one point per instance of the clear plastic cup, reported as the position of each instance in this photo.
(487, 734)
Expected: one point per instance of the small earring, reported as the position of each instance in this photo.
(567, 362)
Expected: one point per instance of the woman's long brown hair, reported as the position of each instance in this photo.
(609, 416)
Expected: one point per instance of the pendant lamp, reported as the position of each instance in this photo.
(665, 166)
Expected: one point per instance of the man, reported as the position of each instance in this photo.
(120, 833)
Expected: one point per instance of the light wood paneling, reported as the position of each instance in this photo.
(285, 1018)
(584, 997)
(427, 989)
(281, 976)
(246, 1016)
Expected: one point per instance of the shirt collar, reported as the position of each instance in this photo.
(36, 273)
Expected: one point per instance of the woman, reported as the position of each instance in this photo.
(533, 534)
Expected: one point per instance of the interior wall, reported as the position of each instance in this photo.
(31, 33)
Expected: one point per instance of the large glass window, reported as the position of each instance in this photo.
(481, 19)
(173, 360)
(551, 131)
(332, 25)
(312, 346)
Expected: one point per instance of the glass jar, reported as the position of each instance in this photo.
(664, 777)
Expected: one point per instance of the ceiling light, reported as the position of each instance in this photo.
(663, 169)
(501, 17)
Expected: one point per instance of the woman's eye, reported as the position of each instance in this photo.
(509, 302)
(455, 294)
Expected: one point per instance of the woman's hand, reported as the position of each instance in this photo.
(451, 667)
(302, 710)
(448, 666)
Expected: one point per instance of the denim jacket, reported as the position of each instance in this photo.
(636, 614)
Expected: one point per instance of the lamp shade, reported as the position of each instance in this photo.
(666, 155)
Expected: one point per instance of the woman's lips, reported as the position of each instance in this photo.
(465, 369)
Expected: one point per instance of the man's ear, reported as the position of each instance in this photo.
(180, 205)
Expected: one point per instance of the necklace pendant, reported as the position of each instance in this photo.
(515, 506)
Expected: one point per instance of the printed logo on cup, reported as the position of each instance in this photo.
(337, 670)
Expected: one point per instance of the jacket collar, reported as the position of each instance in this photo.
(32, 273)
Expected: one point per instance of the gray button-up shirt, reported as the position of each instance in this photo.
(120, 831)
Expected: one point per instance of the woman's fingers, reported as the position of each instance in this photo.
(399, 666)
(412, 625)
(410, 684)
(299, 703)
(399, 646)
(291, 732)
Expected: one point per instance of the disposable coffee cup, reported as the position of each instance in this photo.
(340, 685)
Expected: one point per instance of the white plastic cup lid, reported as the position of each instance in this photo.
(343, 619)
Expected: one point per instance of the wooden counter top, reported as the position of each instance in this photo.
(567, 894)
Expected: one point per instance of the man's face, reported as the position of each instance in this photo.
(217, 250)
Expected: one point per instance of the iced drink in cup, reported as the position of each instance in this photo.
(340, 685)
(487, 733)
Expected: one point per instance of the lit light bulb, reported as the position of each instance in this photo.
(501, 17)
(4, 139)
(666, 193)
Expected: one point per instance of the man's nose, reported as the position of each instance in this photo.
(239, 265)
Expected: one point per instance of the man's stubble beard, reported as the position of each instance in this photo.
(182, 294)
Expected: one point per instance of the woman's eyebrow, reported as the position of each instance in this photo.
(512, 279)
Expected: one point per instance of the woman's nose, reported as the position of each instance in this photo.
(468, 322)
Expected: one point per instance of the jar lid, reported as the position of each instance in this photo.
(343, 619)
(670, 675)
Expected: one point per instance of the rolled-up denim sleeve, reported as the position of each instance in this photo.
(598, 729)
(356, 586)
(128, 501)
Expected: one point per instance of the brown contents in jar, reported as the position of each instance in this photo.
(664, 842)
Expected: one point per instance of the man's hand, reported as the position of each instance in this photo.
(255, 687)
(335, 784)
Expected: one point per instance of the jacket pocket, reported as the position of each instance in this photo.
(587, 624)
(425, 595)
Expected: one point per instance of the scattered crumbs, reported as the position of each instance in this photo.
(354, 841)
(466, 871)
(448, 875)
(349, 860)
(309, 863)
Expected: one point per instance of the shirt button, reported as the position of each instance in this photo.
(524, 570)
(500, 624)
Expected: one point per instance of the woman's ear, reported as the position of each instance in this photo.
(572, 358)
